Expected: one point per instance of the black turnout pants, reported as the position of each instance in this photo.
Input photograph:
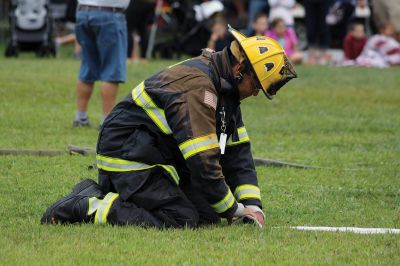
(150, 198)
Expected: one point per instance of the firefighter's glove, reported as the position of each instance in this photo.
(248, 214)
(256, 209)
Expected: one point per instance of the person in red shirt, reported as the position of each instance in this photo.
(354, 41)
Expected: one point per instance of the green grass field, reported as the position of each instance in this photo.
(346, 120)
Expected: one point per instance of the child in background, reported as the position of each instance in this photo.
(219, 38)
(381, 50)
(260, 24)
(287, 38)
(354, 41)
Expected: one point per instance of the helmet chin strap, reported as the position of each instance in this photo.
(245, 69)
(239, 78)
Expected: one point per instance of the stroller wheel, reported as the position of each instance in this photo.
(53, 50)
(11, 50)
(46, 51)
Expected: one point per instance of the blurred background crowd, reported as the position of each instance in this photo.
(340, 32)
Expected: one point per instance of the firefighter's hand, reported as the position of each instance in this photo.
(257, 210)
(254, 217)
(248, 214)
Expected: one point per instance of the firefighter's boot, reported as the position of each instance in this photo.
(74, 207)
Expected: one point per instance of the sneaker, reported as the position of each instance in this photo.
(81, 123)
(73, 207)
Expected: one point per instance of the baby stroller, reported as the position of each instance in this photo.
(31, 28)
(181, 27)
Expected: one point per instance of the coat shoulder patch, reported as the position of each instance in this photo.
(210, 99)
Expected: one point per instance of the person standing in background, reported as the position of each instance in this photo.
(101, 31)
(317, 30)
(139, 15)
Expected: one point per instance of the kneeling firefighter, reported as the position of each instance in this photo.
(175, 152)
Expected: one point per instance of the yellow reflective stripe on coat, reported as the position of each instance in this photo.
(142, 99)
(224, 204)
(120, 165)
(243, 137)
(104, 208)
(247, 192)
(197, 145)
(179, 63)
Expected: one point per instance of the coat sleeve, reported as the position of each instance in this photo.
(191, 116)
(239, 169)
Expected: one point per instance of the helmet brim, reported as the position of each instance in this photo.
(236, 34)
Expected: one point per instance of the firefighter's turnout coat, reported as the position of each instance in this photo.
(158, 149)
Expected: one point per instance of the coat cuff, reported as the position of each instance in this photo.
(252, 201)
(239, 211)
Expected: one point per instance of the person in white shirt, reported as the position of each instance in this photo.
(282, 9)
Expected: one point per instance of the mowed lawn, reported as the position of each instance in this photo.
(344, 120)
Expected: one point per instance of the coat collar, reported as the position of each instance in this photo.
(223, 67)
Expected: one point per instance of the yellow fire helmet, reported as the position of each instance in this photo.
(269, 63)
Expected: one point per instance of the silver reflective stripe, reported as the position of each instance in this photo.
(197, 145)
(243, 137)
(121, 165)
(141, 96)
(247, 191)
(224, 204)
(142, 99)
(129, 167)
(94, 204)
(172, 172)
(104, 208)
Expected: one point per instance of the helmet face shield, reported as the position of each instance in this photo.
(275, 87)
(287, 71)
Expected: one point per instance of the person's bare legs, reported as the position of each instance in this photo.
(83, 92)
(296, 57)
(109, 92)
(313, 56)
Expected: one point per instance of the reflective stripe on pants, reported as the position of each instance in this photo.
(121, 165)
(104, 208)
